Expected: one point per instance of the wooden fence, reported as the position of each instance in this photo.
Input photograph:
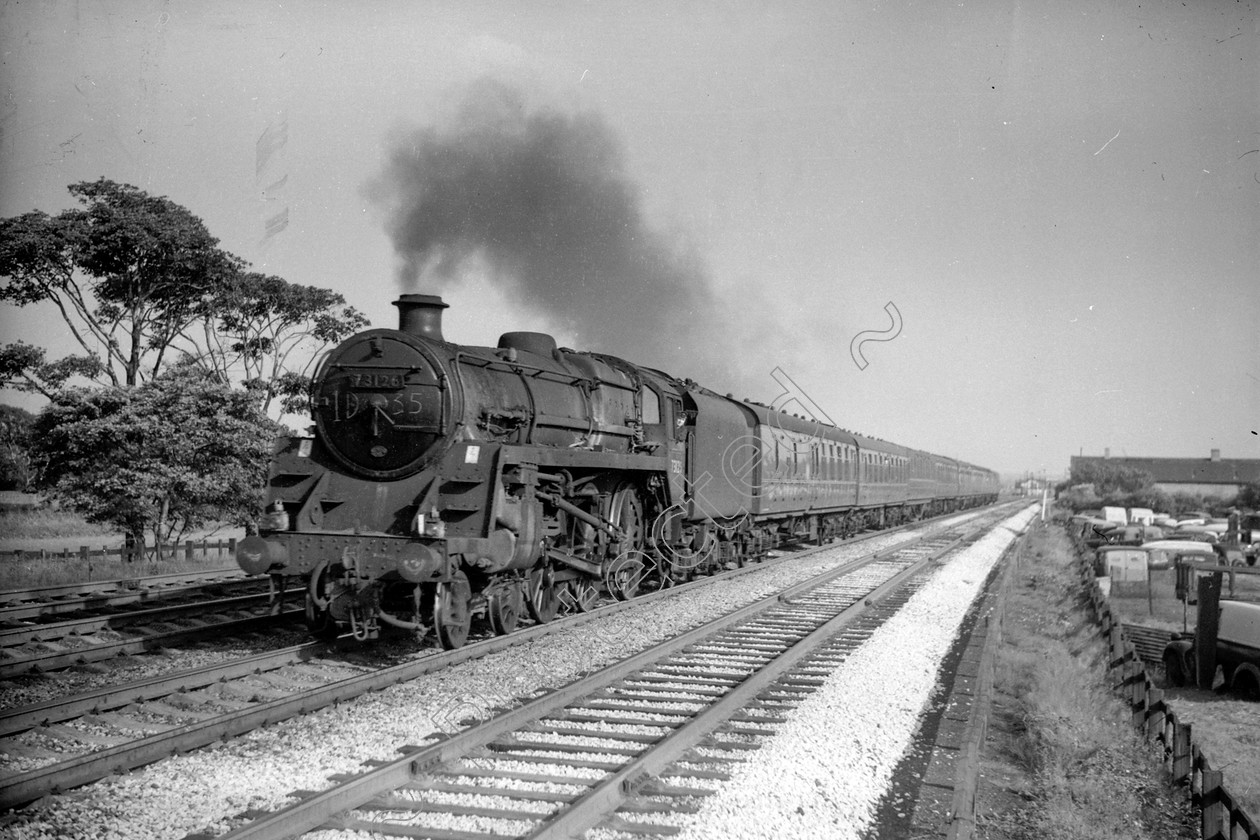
(190, 549)
(1222, 818)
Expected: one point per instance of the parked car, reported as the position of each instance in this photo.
(1135, 535)
(1237, 650)
(1156, 555)
(1249, 524)
(1118, 515)
(1122, 557)
(1163, 554)
(1197, 533)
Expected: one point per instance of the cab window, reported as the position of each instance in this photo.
(651, 406)
(680, 419)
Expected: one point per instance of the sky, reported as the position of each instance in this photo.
(1005, 232)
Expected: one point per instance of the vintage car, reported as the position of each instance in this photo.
(1197, 533)
(1119, 561)
(1163, 554)
(1135, 535)
(1237, 650)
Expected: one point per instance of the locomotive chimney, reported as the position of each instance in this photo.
(421, 315)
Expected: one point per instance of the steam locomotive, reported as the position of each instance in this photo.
(446, 482)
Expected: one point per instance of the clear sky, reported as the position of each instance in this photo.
(1060, 201)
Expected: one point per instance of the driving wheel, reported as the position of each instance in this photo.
(543, 598)
(451, 617)
(504, 605)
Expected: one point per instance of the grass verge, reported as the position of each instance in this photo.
(1062, 759)
(35, 572)
(46, 523)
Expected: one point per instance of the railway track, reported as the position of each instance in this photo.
(95, 734)
(33, 603)
(49, 647)
(631, 739)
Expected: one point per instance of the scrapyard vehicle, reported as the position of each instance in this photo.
(1237, 650)
(1164, 554)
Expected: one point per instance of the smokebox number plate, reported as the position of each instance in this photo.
(375, 380)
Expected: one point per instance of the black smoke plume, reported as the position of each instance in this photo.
(540, 199)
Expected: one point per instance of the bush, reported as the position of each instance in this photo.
(162, 458)
(1079, 498)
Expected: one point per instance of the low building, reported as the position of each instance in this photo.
(1211, 476)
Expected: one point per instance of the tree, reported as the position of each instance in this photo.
(1077, 498)
(1183, 502)
(1111, 479)
(16, 466)
(163, 458)
(129, 272)
(25, 367)
(257, 325)
(1248, 497)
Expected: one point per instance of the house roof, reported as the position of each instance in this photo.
(1185, 470)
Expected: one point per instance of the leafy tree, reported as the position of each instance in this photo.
(25, 367)
(1111, 478)
(163, 458)
(16, 467)
(1184, 502)
(1078, 498)
(1248, 497)
(128, 272)
(1148, 497)
(257, 325)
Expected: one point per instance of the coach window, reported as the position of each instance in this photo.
(651, 406)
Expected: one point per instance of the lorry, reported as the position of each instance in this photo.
(1237, 650)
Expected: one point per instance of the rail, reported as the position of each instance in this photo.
(982, 648)
(34, 784)
(724, 693)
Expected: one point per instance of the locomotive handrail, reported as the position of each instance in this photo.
(537, 371)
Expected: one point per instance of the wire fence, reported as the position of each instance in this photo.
(188, 550)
